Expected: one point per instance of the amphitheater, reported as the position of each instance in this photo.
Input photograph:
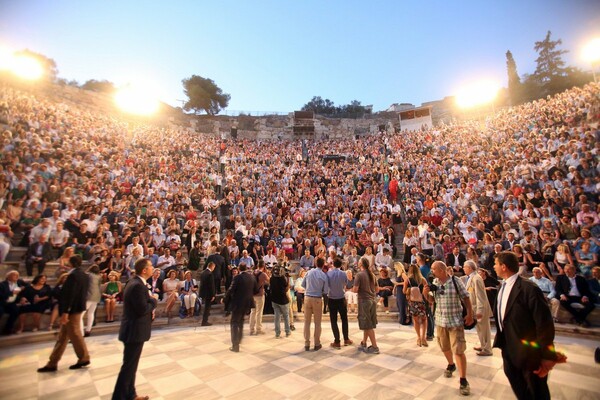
(304, 175)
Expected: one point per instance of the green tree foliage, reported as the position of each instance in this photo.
(99, 86)
(48, 64)
(327, 108)
(514, 82)
(204, 95)
(549, 62)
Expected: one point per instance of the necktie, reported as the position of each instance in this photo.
(500, 316)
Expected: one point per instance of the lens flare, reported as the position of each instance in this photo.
(137, 101)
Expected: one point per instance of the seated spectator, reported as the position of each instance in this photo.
(34, 299)
(156, 284)
(562, 258)
(10, 288)
(547, 287)
(171, 287)
(385, 286)
(38, 253)
(573, 289)
(586, 259)
(189, 293)
(110, 292)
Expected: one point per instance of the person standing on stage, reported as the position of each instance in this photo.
(240, 298)
(138, 313)
(337, 303)
(70, 307)
(525, 331)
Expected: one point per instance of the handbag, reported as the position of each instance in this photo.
(464, 308)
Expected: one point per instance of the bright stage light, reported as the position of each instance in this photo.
(591, 51)
(477, 94)
(23, 66)
(136, 101)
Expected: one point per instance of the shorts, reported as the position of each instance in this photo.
(367, 314)
(452, 339)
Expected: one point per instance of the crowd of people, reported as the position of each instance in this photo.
(77, 182)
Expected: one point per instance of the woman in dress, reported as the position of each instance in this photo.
(586, 259)
(34, 299)
(416, 289)
(110, 291)
(170, 288)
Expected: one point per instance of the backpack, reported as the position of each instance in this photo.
(414, 293)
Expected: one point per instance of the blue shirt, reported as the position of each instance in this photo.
(337, 282)
(545, 285)
(315, 283)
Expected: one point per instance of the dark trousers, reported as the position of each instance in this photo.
(206, 313)
(525, 384)
(237, 328)
(299, 301)
(125, 386)
(29, 263)
(338, 306)
(579, 314)
(385, 294)
(13, 313)
(325, 303)
(430, 320)
(401, 303)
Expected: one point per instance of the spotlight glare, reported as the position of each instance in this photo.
(591, 51)
(136, 101)
(23, 66)
(477, 94)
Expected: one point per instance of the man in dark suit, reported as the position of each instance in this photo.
(72, 303)
(207, 291)
(220, 266)
(38, 253)
(456, 260)
(138, 313)
(241, 299)
(9, 289)
(572, 288)
(525, 331)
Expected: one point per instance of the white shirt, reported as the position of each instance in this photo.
(503, 295)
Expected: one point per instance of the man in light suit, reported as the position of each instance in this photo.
(70, 307)
(138, 313)
(240, 299)
(481, 308)
(525, 331)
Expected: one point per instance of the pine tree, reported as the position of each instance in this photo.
(514, 82)
(550, 64)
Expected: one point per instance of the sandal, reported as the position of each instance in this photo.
(419, 342)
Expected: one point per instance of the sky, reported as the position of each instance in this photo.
(274, 56)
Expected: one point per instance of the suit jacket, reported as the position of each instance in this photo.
(46, 251)
(207, 285)
(241, 292)
(477, 294)
(594, 286)
(137, 312)
(159, 285)
(450, 258)
(74, 292)
(5, 292)
(563, 286)
(528, 334)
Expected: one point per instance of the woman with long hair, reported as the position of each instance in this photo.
(415, 289)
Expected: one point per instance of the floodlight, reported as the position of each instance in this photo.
(21, 65)
(477, 94)
(136, 100)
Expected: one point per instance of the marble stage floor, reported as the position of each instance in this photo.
(197, 364)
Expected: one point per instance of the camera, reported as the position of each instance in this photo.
(281, 270)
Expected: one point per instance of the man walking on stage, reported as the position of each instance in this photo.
(240, 299)
(138, 313)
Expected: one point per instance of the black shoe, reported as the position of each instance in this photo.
(234, 349)
(318, 347)
(46, 369)
(292, 327)
(306, 348)
(227, 313)
(206, 324)
(80, 365)
(87, 334)
(449, 370)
